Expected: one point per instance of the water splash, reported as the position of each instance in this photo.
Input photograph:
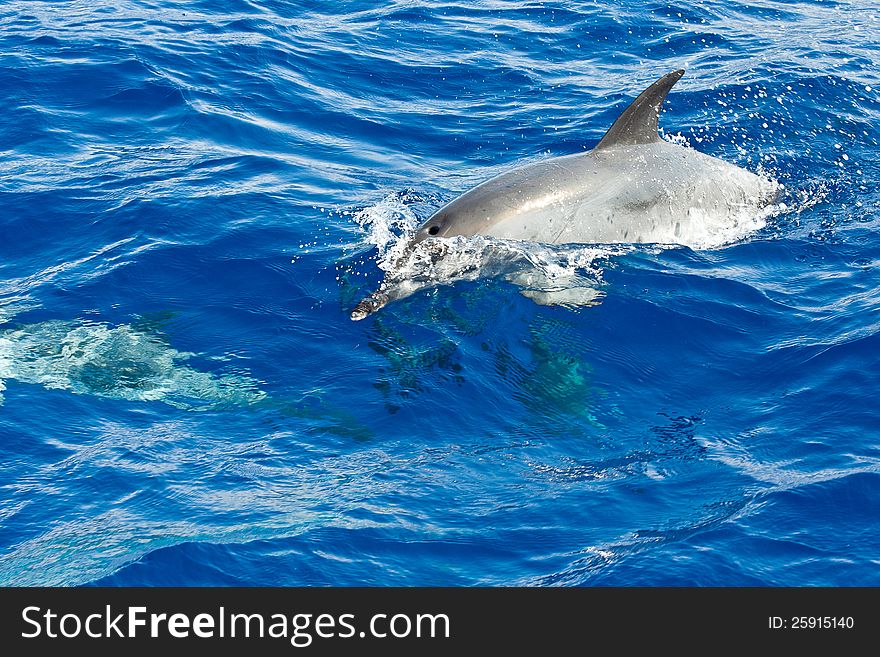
(388, 225)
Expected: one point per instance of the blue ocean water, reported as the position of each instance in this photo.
(193, 195)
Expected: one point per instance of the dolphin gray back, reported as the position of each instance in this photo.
(638, 123)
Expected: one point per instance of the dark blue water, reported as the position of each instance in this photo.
(190, 199)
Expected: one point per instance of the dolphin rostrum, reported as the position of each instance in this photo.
(633, 187)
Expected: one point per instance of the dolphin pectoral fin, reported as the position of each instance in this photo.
(638, 123)
(369, 305)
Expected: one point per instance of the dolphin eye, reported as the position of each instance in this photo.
(433, 230)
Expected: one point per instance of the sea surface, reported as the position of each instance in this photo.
(194, 195)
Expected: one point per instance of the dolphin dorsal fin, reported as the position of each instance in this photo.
(638, 123)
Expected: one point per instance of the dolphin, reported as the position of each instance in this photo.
(633, 187)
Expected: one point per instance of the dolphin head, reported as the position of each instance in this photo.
(435, 253)
(412, 270)
(420, 255)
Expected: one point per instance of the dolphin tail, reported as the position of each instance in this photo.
(638, 123)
